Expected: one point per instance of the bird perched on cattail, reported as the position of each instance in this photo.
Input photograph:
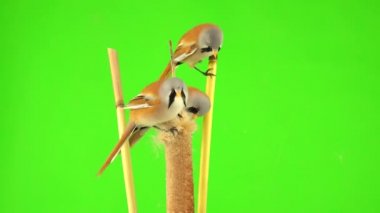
(159, 102)
(198, 104)
(202, 41)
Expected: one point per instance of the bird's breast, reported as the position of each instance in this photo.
(162, 113)
(193, 59)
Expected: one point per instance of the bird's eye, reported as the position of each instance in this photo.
(206, 49)
(193, 110)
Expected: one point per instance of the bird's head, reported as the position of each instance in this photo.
(198, 103)
(210, 40)
(174, 90)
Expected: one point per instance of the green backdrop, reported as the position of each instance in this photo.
(296, 123)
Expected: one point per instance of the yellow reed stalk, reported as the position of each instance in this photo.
(206, 141)
(125, 151)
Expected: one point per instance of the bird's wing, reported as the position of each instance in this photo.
(141, 101)
(183, 51)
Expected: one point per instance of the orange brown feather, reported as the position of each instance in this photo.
(118, 146)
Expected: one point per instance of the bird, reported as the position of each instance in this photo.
(198, 104)
(159, 102)
(202, 41)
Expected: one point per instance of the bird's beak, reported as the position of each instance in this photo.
(215, 53)
(178, 94)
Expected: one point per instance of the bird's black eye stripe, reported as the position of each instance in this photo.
(193, 110)
(171, 98)
(183, 97)
(206, 49)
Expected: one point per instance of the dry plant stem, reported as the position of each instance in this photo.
(125, 152)
(179, 168)
(171, 58)
(206, 141)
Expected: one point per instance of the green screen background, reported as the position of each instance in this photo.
(296, 123)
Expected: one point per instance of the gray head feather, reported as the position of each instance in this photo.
(211, 37)
(172, 83)
(200, 102)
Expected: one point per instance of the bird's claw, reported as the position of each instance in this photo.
(120, 106)
(174, 131)
(212, 58)
(206, 73)
(209, 74)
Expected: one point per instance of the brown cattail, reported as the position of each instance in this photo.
(177, 137)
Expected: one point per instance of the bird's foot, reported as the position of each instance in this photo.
(122, 106)
(207, 73)
(212, 58)
(174, 131)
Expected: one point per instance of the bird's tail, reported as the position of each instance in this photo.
(166, 73)
(116, 149)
